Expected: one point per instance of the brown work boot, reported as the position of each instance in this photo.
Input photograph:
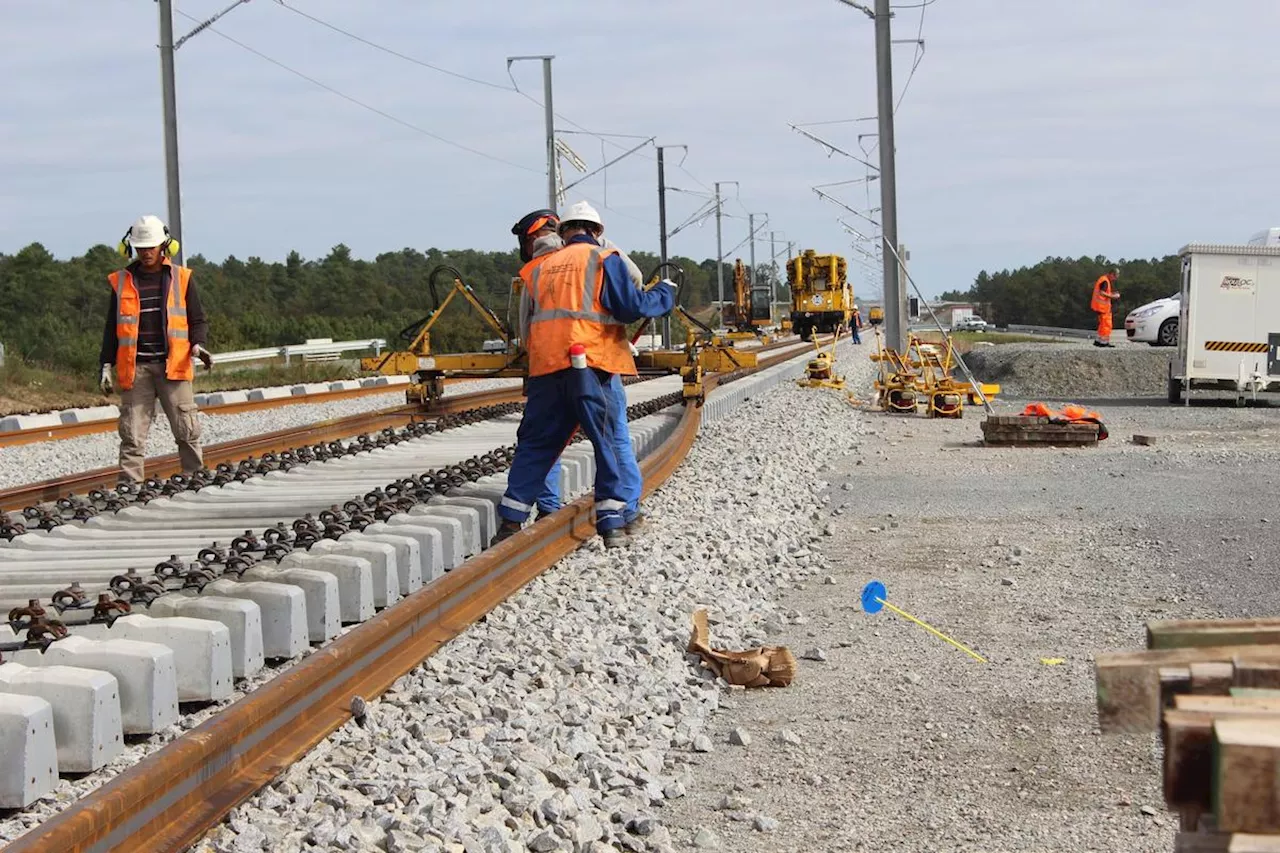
(506, 530)
(636, 524)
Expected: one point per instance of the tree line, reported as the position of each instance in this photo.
(52, 311)
(1056, 291)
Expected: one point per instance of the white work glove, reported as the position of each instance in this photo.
(206, 358)
(104, 381)
(634, 352)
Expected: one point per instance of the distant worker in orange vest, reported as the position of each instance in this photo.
(155, 328)
(580, 300)
(1103, 295)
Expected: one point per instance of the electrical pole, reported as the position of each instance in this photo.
(169, 95)
(895, 325)
(773, 273)
(719, 253)
(662, 233)
(751, 235)
(550, 120)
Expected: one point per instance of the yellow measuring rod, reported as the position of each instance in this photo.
(873, 601)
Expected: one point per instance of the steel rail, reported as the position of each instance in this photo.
(171, 798)
(333, 429)
(61, 432)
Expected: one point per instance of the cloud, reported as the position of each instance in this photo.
(1029, 129)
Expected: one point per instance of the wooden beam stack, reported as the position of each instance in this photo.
(1036, 431)
(1212, 688)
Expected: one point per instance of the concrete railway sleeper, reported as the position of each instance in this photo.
(208, 613)
(342, 557)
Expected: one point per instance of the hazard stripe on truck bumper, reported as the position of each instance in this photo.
(1234, 346)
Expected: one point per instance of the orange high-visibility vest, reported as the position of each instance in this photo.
(565, 290)
(1102, 294)
(177, 365)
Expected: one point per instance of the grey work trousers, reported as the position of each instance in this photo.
(138, 407)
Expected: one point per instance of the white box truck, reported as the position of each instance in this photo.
(1229, 321)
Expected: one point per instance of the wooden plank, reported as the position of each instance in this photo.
(1218, 842)
(1182, 633)
(1257, 675)
(1188, 747)
(1246, 761)
(1212, 678)
(1214, 704)
(1128, 683)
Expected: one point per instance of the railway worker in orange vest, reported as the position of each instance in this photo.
(155, 328)
(538, 234)
(581, 298)
(1104, 294)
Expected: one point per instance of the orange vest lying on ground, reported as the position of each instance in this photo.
(1070, 414)
(177, 364)
(564, 289)
(1102, 295)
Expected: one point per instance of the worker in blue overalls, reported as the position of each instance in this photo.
(537, 233)
(580, 299)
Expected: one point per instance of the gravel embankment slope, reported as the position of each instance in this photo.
(1071, 370)
(902, 742)
(566, 719)
(28, 463)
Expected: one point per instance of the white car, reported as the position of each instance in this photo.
(970, 323)
(1155, 323)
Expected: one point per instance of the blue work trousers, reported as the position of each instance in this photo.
(556, 404)
(549, 499)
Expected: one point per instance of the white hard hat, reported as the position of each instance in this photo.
(148, 232)
(581, 212)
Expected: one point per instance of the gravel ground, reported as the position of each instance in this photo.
(897, 741)
(566, 720)
(1066, 370)
(32, 462)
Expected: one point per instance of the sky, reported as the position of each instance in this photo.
(1028, 129)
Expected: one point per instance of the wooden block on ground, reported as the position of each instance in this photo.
(1128, 683)
(1184, 633)
(1246, 787)
(1144, 440)
(1218, 842)
(1213, 678)
(1188, 747)
(1257, 675)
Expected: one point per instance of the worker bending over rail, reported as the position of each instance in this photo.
(155, 326)
(580, 295)
(1104, 294)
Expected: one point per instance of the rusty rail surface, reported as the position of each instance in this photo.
(171, 798)
(76, 430)
(272, 442)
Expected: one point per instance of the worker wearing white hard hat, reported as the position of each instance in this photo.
(155, 328)
(577, 348)
(632, 479)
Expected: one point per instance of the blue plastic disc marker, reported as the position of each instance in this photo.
(873, 596)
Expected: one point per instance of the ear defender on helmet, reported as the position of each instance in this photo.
(170, 246)
(125, 248)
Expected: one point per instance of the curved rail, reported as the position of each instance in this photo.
(171, 798)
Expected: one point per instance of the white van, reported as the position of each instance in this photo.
(1270, 237)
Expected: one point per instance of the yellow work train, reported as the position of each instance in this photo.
(821, 296)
